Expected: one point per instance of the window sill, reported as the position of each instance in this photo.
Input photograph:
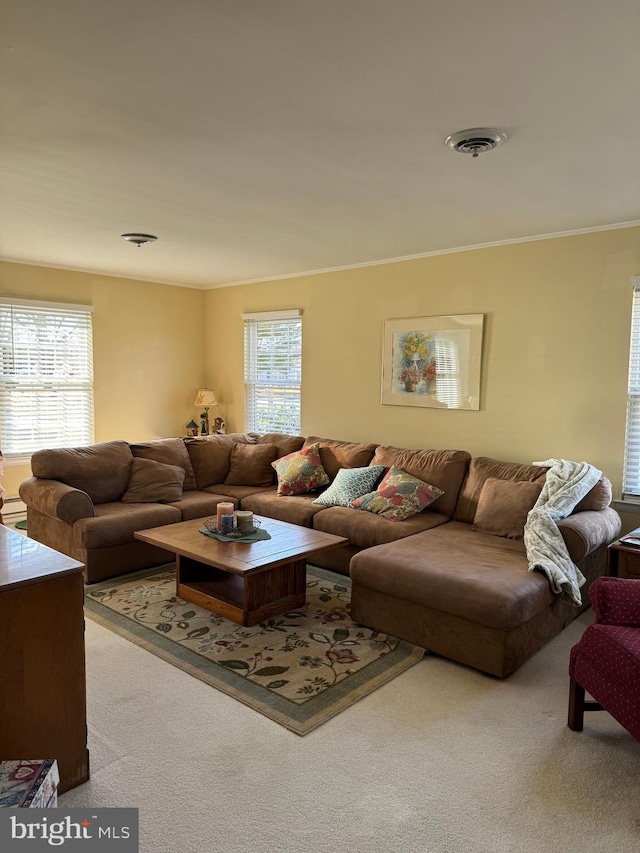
(626, 505)
(8, 461)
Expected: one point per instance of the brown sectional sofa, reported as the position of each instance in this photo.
(432, 579)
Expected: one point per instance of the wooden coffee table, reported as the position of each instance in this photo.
(246, 582)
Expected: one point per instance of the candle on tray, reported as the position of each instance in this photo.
(223, 508)
(227, 523)
(244, 521)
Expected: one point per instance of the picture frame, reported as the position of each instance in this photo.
(433, 362)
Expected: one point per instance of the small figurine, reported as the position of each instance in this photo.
(219, 427)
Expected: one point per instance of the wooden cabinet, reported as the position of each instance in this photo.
(623, 561)
(42, 667)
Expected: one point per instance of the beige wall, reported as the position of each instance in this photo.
(148, 350)
(557, 318)
(555, 355)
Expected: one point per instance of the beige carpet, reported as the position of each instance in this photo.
(299, 669)
(440, 760)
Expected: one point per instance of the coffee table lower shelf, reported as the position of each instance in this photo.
(247, 599)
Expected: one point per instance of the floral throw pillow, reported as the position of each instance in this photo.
(399, 496)
(300, 472)
(350, 483)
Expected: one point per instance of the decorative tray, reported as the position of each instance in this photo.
(212, 526)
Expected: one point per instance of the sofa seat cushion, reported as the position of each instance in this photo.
(196, 504)
(238, 493)
(115, 523)
(444, 469)
(296, 509)
(171, 451)
(475, 576)
(100, 470)
(365, 529)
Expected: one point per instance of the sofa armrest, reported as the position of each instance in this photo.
(616, 601)
(583, 532)
(57, 500)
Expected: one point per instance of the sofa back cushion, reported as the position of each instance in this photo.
(250, 465)
(169, 451)
(503, 507)
(100, 470)
(444, 469)
(285, 444)
(210, 455)
(335, 455)
(154, 482)
(481, 469)
(598, 498)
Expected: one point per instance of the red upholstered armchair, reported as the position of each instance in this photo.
(606, 661)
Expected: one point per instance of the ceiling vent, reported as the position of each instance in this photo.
(476, 140)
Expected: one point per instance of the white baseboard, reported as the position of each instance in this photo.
(14, 509)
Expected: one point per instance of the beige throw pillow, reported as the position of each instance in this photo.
(503, 507)
(154, 482)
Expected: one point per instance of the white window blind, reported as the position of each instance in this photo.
(46, 377)
(631, 479)
(272, 371)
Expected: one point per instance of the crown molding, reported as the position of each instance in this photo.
(361, 265)
(575, 232)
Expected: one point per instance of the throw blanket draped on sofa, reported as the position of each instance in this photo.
(565, 486)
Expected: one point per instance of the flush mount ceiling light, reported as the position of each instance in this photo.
(476, 140)
(139, 239)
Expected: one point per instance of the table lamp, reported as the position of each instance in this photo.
(205, 397)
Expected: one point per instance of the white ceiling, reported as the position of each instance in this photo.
(264, 138)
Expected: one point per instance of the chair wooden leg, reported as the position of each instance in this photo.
(576, 706)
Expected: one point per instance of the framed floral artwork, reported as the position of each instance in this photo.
(433, 361)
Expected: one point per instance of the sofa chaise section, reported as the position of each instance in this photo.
(468, 594)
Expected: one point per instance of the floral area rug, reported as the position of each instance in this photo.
(299, 669)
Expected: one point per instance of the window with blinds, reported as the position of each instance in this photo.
(46, 377)
(631, 478)
(272, 371)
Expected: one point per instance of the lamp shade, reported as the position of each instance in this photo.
(206, 397)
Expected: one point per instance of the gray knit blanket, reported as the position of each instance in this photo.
(565, 485)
